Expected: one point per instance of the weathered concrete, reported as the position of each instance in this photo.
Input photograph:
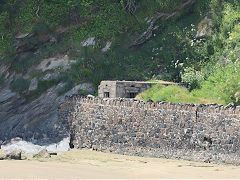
(201, 133)
(125, 89)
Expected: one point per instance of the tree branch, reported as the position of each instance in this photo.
(38, 11)
(145, 36)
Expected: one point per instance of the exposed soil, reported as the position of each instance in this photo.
(90, 164)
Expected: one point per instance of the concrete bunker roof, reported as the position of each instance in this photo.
(142, 82)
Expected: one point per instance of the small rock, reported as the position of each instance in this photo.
(94, 147)
(107, 47)
(230, 105)
(16, 139)
(90, 96)
(26, 156)
(149, 100)
(23, 35)
(208, 160)
(16, 155)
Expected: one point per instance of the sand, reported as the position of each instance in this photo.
(86, 164)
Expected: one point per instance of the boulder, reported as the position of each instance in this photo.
(34, 150)
(2, 156)
(23, 146)
(15, 155)
(42, 153)
(61, 146)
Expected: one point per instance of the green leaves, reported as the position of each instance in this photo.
(223, 84)
(20, 85)
(6, 35)
(192, 78)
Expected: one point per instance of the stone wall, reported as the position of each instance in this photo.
(209, 133)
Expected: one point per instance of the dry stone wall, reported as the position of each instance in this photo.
(209, 133)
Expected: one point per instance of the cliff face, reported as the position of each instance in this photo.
(35, 120)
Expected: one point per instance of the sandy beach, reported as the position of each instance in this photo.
(85, 164)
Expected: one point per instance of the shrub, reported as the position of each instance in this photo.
(223, 84)
(40, 28)
(192, 78)
(20, 85)
(44, 85)
(68, 86)
(83, 92)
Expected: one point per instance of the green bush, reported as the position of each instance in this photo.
(44, 85)
(40, 28)
(83, 92)
(20, 85)
(192, 78)
(223, 84)
(68, 86)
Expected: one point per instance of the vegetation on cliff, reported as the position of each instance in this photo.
(188, 41)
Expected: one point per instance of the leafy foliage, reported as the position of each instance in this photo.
(224, 84)
(20, 85)
(192, 78)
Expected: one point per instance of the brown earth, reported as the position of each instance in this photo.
(90, 164)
